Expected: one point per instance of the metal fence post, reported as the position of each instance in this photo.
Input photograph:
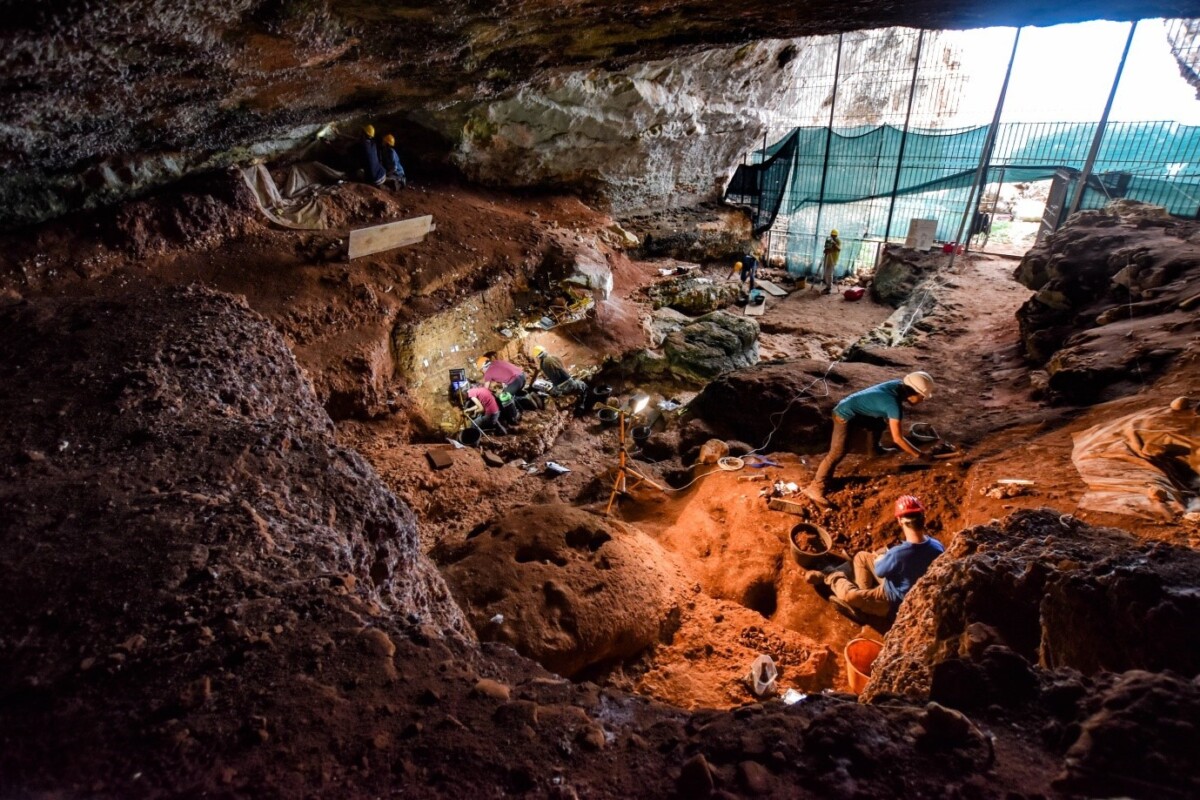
(837, 71)
(912, 91)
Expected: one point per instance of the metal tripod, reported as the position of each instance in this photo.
(621, 483)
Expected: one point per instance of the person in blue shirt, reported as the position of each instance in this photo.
(870, 409)
(368, 157)
(883, 578)
(391, 163)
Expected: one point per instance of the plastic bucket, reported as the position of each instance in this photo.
(608, 416)
(641, 433)
(809, 543)
(470, 436)
(860, 656)
(601, 393)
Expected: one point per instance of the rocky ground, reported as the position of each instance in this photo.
(249, 607)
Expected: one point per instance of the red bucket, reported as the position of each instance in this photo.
(854, 294)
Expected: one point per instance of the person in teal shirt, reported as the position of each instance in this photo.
(871, 409)
(883, 578)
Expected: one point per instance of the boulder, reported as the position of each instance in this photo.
(565, 587)
(899, 272)
(1051, 590)
(714, 344)
(1111, 286)
(694, 294)
(785, 400)
(662, 323)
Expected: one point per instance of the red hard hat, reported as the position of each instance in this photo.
(907, 505)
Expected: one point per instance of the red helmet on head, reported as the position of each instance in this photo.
(907, 505)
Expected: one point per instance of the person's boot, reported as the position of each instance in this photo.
(816, 494)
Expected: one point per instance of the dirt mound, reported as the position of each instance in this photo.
(571, 589)
(1053, 591)
(1116, 297)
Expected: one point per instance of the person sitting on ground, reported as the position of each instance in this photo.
(368, 157)
(483, 409)
(391, 163)
(882, 578)
(833, 250)
(507, 374)
(560, 379)
(869, 409)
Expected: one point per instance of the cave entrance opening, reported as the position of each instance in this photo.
(896, 128)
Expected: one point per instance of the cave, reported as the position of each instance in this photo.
(258, 542)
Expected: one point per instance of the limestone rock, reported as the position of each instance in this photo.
(662, 323)
(714, 344)
(694, 295)
(900, 271)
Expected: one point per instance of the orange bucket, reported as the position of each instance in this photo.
(860, 655)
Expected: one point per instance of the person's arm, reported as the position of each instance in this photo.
(885, 564)
(901, 442)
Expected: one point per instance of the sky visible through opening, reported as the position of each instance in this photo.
(1064, 74)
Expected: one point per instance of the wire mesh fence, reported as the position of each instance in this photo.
(870, 165)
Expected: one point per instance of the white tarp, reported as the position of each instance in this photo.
(298, 206)
(1143, 464)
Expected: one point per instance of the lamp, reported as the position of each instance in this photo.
(636, 405)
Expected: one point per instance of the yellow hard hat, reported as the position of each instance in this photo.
(369, 130)
(538, 351)
(389, 140)
(737, 267)
(482, 362)
(833, 233)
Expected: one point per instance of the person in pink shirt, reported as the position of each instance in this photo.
(483, 409)
(508, 375)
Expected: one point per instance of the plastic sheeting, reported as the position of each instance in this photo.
(1144, 464)
(298, 206)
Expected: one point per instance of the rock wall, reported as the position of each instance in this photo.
(669, 133)
(1117, 292)
(1044, 588)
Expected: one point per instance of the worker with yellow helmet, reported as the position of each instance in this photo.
(746, 268)
(833, 250)
(391, 163)
(369, 167)
(560, 378)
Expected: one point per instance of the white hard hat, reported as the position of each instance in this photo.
(921, 382)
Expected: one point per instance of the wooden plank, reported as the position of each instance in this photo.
(772, 289)
(756, 310)
(365, 241)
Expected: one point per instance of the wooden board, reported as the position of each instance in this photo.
(771, 288)
(756, 310)
(365, 241)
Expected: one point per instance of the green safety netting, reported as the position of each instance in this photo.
(856, 179)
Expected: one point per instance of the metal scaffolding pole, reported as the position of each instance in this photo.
(837, 70)
(912, 92)
(1099, 137)
(986, 156)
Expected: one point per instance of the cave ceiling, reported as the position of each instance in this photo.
(90, 86)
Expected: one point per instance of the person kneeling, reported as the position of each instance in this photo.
(484, 410)
(883, 578)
